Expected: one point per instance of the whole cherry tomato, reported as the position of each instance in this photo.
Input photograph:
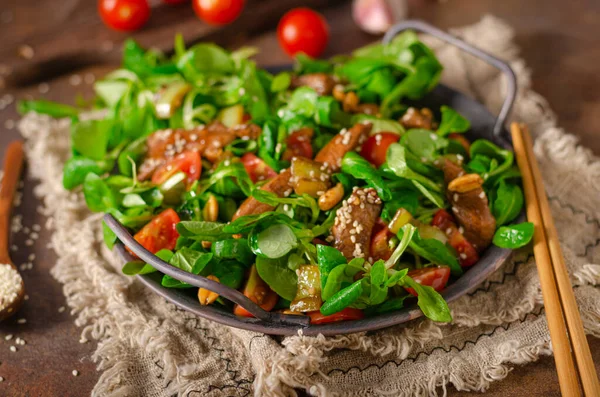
(303, 30)
(435, 277)
(160, 233)
(218, 12)
(375, 147)
(126, 15)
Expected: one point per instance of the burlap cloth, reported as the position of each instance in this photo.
(148, 347)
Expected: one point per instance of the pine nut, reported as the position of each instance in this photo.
(205, 296)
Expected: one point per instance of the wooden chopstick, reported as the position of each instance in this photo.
(565, 366)
(581, 349)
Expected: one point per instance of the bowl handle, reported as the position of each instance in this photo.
(199, 281)
(511, 88)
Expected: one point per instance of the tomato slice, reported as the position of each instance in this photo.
(380, 241)
(160, 233)
(375, 148)
(126, 15)
(303, 30)
(257, 169)
(188, 162)
(345, 315)
(436, 277)
(298, 144)
(259, 292)
(467, 254)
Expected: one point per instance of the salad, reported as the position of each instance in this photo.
(318, 191)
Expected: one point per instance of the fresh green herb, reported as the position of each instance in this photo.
(508, 202)
(355, 165)
(452, 122)
(514, 236)
(278, 276)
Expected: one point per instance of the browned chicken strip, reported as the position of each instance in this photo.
(331, 154)
(354, 223)
(469, 205)
(280, 185)
(209, 141)
(322, 83)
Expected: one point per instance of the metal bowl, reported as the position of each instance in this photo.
(483, 125)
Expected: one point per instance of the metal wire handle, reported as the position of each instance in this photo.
(511, 87)
(199, 281)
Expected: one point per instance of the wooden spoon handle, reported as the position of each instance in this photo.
(13, 162)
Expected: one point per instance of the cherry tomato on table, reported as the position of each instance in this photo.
(303, 30)
(160, 233)
(124, 15)
(435, 277)
(218, 12)
(188, 162)
(375, 147)
(259, 292)
(467, 254)
(257, 169)
(344, 315)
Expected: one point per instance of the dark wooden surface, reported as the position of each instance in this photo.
(560, 42)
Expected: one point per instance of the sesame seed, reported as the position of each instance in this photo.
(13, 349)
(461, 230)
(75, 80)
(29, 242)
(26, 297)
(75, 372)
(482, 195)
(454, 209)
(449, 230)
(460, 157)
(455, 197)
(43, 88)
(1, 379)
(353, 238)
(8, 337)
(21, 321)
(463, 255)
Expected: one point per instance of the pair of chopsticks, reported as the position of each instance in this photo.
(564, 322)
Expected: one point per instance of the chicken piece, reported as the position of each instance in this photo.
(209, 141)
(414, 118)
(322, 83)
(354, 223)
(280, 185)
(331, 154)
(470, 205)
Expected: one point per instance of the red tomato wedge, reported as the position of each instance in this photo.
(259, 292)
(435, 277)
(257, 169)
(375, 148)
(218, 12)
(160, 233)
(467, 254)
(303, 30)
(380, 241)
(188, 162)
(344, 315)
(298, 144)
(126, 15)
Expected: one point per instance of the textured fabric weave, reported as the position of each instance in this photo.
(148, 347)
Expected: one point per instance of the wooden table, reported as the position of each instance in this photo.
(560, 42)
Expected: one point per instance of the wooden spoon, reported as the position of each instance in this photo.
(12, 170)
